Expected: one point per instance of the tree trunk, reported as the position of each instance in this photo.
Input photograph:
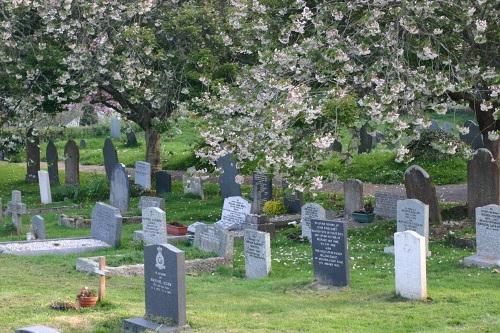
(153, 149)
(32, 156)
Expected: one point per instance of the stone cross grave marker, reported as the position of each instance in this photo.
(106, 224)
(115, 128)
(309, 212)
(262, 183)
(227, 180)
(38, 227)
(330, 252)
(72, 163)
(419, 186)
(487, 238)
(165, 291)
(146, 202)
(143, 175)
(110, 157)
(234, 213)
(257, 250)
(44, 185)
(16, 208)
(163, 183)
(154, 226)
(483, 181)
(212, 238)
(52, 163)
(353, 197)
(386, 204)
(119, 195)
(410, 265)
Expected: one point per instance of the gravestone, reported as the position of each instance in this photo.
(412, 214)
(110, 157)
(263, 184)
(165, 291)
(310, 211)
(353, 197)
(234, 213)
(487, 237)
(366, 140)
(131, 139)
(37, 329)
(16, 209)
(154, 226)
(447, 127)
(52, 163)
(257, 251)
(434, 126)
(143, 175)
(474, 138)
(330, 252)
(410, 265)
(72, 164)
(38, 227)
(119, 194)
(44, 185)
(193, 185)
(336, 146)
(212, 238)
(115, 128)
(146, 202)
(483, 183)
(386, 204)
(292, 200)
(106, 224)
(32, 156)
(83, 144)
(227, 180)
(419, 186)
(163, 183)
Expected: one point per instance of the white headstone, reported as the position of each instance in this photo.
(411, 271)
(234, 213)
(44, 184)
(310, 211)
(154, 225)
(257, 250)
(143, 175)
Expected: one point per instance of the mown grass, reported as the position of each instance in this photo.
(461, 299)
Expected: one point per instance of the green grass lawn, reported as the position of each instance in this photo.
(461, 299)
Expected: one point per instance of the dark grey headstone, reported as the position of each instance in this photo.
(164, 276)
(366, 140)
(38, 227)
(227, 180)
(32, 157)
(131, 139)
(263, 184)
(83, 144)
(419, 185)
(163, 183)
(337, 146)
(474, 138)
(72, 163)
(483, 183)
(52, 159)
(119, 194)
(292, 200)
(37, 329)
(330, 254)
(110, 157)
(106, 224)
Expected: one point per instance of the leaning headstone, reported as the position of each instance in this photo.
(106, 224)
(234, 213)
(16, 209)
(131, 139)
(487, 237)
(146, 202)
(330, 252)
(227, 180)
(419, 186)
(32, 157)
(412, 214)
(38, 227)
(119, 194)
(353, 197)
(72, 163)
(165, 291)
(292, 200)
(83, 144)
(143, 175)
(193, 185)
(115, 128)
(257, 251)
(110, 157)
(310, 211)
(163, 183)
(386, 204)
(154, 226)
(483, 183)
(474, 138)
(262, 183)
(212, 238)
(410, 265)
(37, 329)
(52, 163)
(366, 140)
(44, 185)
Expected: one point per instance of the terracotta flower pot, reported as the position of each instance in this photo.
(176, 230)
(87, 302)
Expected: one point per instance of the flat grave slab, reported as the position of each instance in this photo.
(52, 246)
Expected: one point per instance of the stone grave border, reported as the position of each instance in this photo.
(56, 251)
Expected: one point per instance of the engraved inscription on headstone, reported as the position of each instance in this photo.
(154, 226)
(211, 238)
(310, 211)
(386, 204)
(106, 224)
(143, 174)
(145, 202)
(257, 250)
(234, 213)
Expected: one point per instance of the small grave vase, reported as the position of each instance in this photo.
(176, 229)
(87, 302)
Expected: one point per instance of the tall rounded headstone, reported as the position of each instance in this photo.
(72, 163)
(52, 159)
(227, 181)
(419, 185)
(110, 157)
(32, 156)
(119, 195)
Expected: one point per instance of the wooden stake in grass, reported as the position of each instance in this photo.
(102, 279)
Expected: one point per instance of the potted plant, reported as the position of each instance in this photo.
(176, 229)
(364, 216)
(87, 298)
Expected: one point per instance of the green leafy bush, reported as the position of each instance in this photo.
(274, 207)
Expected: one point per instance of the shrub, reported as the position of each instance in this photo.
(274, 207)
(432, 146)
